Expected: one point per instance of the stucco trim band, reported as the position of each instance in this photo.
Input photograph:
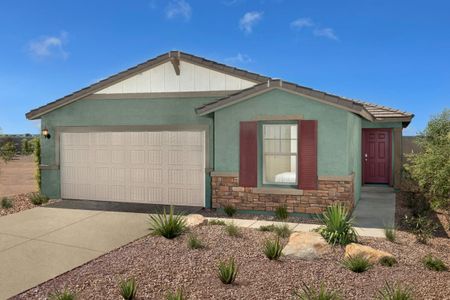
(328, 178)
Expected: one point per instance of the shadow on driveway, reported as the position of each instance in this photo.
(121, 206)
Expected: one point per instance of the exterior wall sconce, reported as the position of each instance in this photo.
(45, 133)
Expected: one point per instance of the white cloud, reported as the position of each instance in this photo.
(239, 59)
(302, 23)
(326, 32)
(179, 9)
(230, 2)
(249, 20)
(49, 46)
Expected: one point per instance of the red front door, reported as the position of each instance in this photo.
(376, 155)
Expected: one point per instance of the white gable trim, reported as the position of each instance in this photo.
(163, 79)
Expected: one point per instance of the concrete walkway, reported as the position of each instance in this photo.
(41, 243)
(303, 227)
(376, 208)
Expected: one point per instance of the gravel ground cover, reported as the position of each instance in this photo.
(20, 202)
(160, 265)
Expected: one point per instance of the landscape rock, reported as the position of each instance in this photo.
(193, 220)
(306, 245)
(373, 255)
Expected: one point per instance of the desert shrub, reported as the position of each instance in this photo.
(38, 198)
(417, 203)
(422, 227)
(128, 289)
(394, 292)
(387, 261)
(176, 295)
(7, 203)
(62, 295)
(265, 228)
(7, 151)
(167, 225)
(434, 263)
(357, 263)
(194, 242)
(273, 249)
(216, 222)
(26, 146)
(409, 198)
(430, 167)
(229, 210)
(338, 225)
(281, 212)
(283, 231)
(390, 234)
(232, 230)
(308, 293)
(37, 158)
(227, 271)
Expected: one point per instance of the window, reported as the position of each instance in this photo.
(280, 154)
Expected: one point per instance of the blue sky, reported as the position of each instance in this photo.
(395, 53)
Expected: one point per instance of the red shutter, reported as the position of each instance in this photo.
(307, 154)
(248, 154)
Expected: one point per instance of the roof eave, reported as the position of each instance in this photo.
(80, 94)
(404, 120)
(288, 87)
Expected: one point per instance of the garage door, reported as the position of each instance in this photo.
(163, 167)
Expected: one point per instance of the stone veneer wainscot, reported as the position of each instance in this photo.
(331, 189)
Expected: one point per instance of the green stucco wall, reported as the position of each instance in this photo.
(354, 152)
(126, 112)
(332, 129)
(339, 131)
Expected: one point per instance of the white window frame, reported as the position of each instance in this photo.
(263, 153)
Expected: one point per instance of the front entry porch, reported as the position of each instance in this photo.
(376, 207)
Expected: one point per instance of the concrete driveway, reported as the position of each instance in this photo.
(41, 243)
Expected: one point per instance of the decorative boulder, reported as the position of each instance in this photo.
(193, 220)
(306, 245)
(373, 255)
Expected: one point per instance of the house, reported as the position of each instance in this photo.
(180, 129)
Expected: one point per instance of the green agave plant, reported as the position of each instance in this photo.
(167, 225)
(227, 271)
(128, 289)
(308, 293)
(338, 225)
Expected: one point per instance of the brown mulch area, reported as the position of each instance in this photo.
(214, 213)
(160, 265)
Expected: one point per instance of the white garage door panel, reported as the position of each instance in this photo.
(146, 167)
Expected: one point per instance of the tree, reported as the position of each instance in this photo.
(431, 167)
(7, 151)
